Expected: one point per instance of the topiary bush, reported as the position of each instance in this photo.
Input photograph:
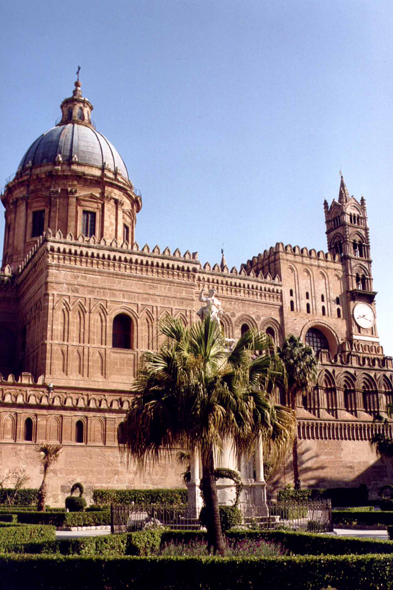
(75, 503)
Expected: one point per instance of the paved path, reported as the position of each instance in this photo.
(382, 535)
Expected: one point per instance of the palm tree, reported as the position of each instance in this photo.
(195, 393)
(49, 456)
(301, 368)
(382, 442)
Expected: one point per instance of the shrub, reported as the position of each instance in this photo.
(60, 572)
(158, 496)
(66, 519)
(386, 504)
(348, 518)
(75, 503)
(25, 534)
(230, 516)
(23, 497)
(77, 486)
(289, 493)
(342, 496)
(8, 517)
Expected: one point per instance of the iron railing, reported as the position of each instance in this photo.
(312, 516)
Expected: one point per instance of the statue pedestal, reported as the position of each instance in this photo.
(257, 499)
(194, 499)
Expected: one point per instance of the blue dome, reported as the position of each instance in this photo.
(71, 140)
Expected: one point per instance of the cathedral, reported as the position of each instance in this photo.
(81, 300)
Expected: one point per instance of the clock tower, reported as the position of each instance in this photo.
(348, 237)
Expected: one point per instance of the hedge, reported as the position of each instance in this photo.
(141, 543)
(25, 534)
(157, 496)
(390, 532)
(347, 518)
(66, 519)
(339, 496)
(148, 542)
(355, 572)
(8, 518)
(23, 497)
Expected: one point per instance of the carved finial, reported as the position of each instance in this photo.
(223, 261)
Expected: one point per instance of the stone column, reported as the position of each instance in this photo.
(194, 492)
(258, 488)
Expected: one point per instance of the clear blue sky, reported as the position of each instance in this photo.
(234, 117)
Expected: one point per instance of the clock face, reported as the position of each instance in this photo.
(364, 315)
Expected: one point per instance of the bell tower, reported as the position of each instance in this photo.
(348, 237)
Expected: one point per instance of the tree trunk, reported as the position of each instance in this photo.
(295, 455)
(215, 537)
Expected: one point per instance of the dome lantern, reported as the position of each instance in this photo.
(76, 109)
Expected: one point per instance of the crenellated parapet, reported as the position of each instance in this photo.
(304, 253)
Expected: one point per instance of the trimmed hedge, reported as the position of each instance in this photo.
(339, 496)
(66, 519)
(75, 503)
(157, 496)
(25, 534)
(147, 543)
(23, 497)
(39, 572)
(348, 518)
(8, 518)
(390, 532)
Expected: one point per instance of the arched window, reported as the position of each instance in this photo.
(80, 114)
(370, 400)
(308, 308)
(270, 332)
(316, 340)
(122, 332)
(245, 328)
(338, 300)
(323, 310)
(79, 428)
(69, 114)
(350, 399)
(292, 306)
(338, 312)
(28, 435)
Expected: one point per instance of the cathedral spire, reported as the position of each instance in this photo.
(223, 264)
(343, 195)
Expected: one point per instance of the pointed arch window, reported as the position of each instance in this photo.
(28, 430)
(350, 399)
(122, 333)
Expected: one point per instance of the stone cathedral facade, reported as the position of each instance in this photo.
(80, 303)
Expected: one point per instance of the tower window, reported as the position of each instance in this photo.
(316, 340)
(122, 331)
(79, 428)
(322, 298)
(308, 308)
(338, 300)
(80, 114)
(38, 223)
(323, 310)
(292, 306)
(126, 233)
(88, 223)
(69, 114)
(28, 434)
(291, 292)
(307, 295)
(338, 312)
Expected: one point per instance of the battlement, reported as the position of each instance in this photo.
(279, 248)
